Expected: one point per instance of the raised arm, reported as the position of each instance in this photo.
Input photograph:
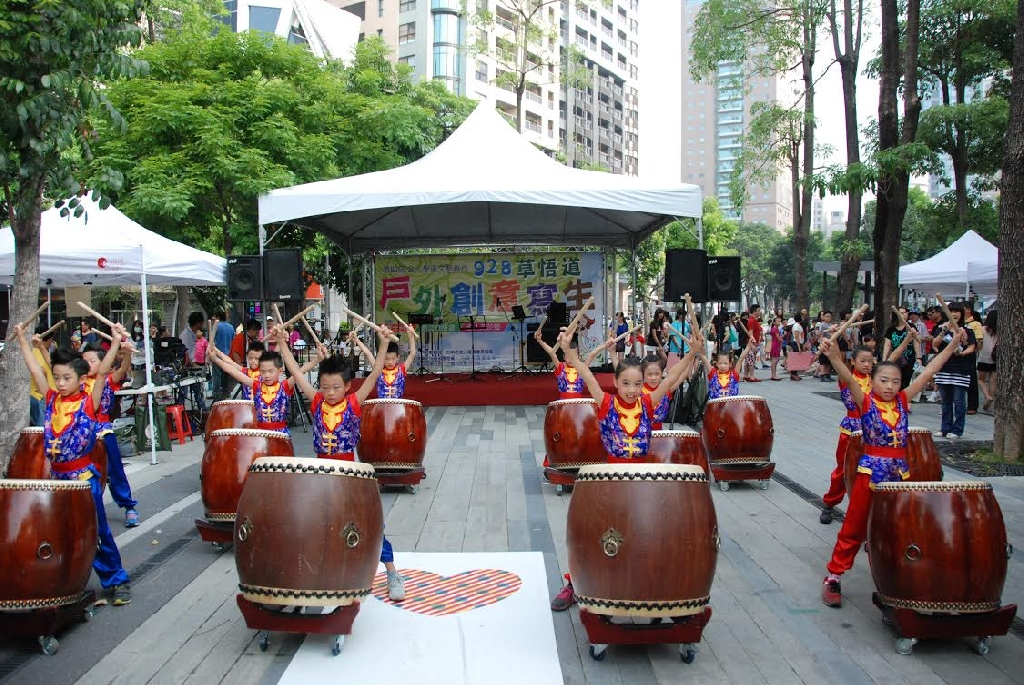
(34, 369)
(230, 368)
(117, 375)
(552, 351)
(412, 346)
(363, 392)
(831, 350)
(298, 376)
(935, 365)
(898, 352)
(675, 375)
(572, 358)
(598, 350)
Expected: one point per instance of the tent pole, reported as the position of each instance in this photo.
(150, 397)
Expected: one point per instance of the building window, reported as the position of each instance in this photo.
(264, 18)
(380, 8)
(407, 33)
(380, 32)
(408, 60)
(481, 71)
(406, 5)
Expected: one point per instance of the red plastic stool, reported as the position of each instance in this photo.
(178, 424)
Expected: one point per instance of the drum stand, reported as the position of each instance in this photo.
(686, 631)
(221, 534)
(337, 622)
(45, 622)
(731, 473)
(911, 626)
(562, 479)
(406, 478)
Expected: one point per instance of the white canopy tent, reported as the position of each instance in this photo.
(103, 247)
(983, 275)
(487, 185)
(948, 270)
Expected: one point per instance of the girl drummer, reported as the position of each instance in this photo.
(337, 415)
(391, 382)
(570, 383)
(653, 368)
(626, 418)
(723, 381)
(883, 414)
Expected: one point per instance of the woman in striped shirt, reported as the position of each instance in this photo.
(954, 377)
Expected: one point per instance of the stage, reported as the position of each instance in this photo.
(490, 389)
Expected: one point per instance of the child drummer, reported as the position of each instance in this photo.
(723, 381)
(69, 434)
(883, 415)
(391, 382)
(625, 418)
(337, 415)
(570, 384)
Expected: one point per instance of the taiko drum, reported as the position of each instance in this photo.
(938, 546)
(571, 434)
(393, 434)
(738, 430)
(226, 460)
(923, 460)
(230, 414)
(627, 524)
(322, 553)
(28, 461)
(678, 447)
(47, 542)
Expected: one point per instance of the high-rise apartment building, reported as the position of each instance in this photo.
(714, 117)
(592, 121)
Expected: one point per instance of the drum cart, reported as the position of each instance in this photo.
(912, 626)
(409, 478)
(726, 473)
(337, 622)
(562, 479)
(45, 622)
(686, 631)
(219, 533)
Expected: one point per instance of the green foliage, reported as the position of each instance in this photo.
(756, 244)
(979, 126)
(53, 55)
(772, 142)
(223, 118)
(782, 263)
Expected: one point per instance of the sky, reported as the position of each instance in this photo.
(661, 79)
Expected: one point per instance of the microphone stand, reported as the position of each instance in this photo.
(473, 376)
(438, 352)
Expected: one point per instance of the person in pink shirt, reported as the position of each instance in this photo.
(775, 346)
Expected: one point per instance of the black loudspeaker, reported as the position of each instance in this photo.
(724, 279)
(686, 272)
(244, 277)
(283, 275)
(558, 312)
(535, 354)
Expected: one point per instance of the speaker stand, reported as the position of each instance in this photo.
(438, 353)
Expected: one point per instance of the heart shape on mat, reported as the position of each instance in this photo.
(436, 595)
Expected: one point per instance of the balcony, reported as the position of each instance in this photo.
(608, 55)
(532, 97)
(532, 126)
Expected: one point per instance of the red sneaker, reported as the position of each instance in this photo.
(564, 599)
(831, 593)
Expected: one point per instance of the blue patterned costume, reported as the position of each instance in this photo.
(570, 385)
(885, 439)
(69, 434)
(273, 404)
(851, 422)
(391, 383)
(120, 489)
(660, 411)
(254, 374)
(716, 388)
(625, 431)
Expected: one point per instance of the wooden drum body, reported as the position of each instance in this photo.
(230, 414)
(738, 430)
(226, 460)
(28, 461)
(393, 434)
(571, 435)
(309, 532)
(922, 457)
(678, 447)
(642, 539)
(47, 542)
(938, 547)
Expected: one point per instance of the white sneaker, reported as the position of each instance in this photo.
(953, 437)
(396, 587)
(938, 434)
(934, 396)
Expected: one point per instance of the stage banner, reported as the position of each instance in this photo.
(458, 290)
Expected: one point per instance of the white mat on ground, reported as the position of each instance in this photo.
(468, 619)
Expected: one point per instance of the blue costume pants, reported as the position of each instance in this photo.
(108, 559)
(120, 490)
(387, 554)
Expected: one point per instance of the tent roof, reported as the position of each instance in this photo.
(948, 269)
(103, 247)
(486, 184)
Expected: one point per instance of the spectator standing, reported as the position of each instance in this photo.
(954, 378)
(222, 335)
(775, 345)
(987, 361)
(894, 335)
(188, 335)
(973, 322)
(796, 339)
(824, 364)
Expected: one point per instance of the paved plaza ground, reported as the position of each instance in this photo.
(484, 493)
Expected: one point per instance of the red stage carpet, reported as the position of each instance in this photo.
(492, 389)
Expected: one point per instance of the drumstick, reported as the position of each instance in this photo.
(574, 324)
(103, 335)
(99, 317)
(294, 319)
(691, 312)
(399, 320)
(849, 322)
(945, 310)
(28, 322)
(628, 333)
(367, 322)
(52, 328)
(899, 314)
(309, 328)
(277, 313)
(861, 323)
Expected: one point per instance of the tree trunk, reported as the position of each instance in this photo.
(24, 300)
(1009, 429)
(850, 265)
(181, 320)
(803, 228)
(960, 178)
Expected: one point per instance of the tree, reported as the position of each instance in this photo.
(847, 34)
(531, 59)
(1009, 430)
(768, 38)
(755, 243)
(225, 117)
(53, 54)
(783, 263)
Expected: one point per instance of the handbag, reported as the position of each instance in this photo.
(799, 361)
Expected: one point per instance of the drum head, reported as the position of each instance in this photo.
(738, 398)
(32, 429)
(684, 433)
(411, 403)
(230, 402)
(39, 485)
(933, 486)
(577, 400)
(641, 471)
(250, 432)
(327, 467)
